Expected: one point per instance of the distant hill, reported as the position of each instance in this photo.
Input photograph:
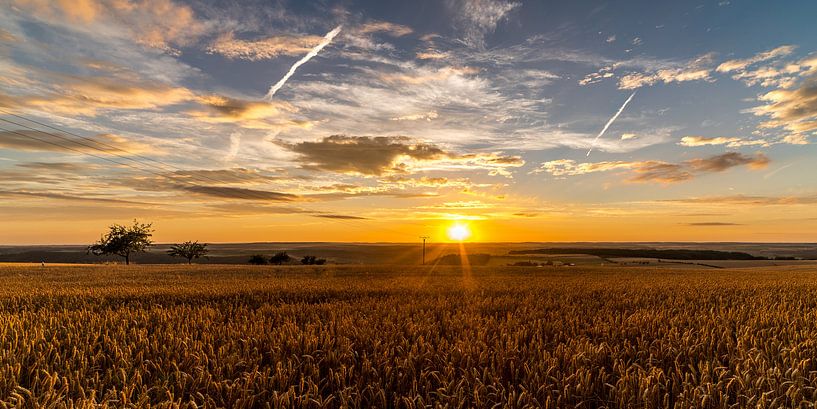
(668, 254)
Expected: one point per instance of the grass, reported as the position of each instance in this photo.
(241, 337)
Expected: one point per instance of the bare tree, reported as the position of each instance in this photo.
(124, 241)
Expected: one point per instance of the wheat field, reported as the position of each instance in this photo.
(362, 336)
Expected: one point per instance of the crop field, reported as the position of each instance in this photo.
(368, 336)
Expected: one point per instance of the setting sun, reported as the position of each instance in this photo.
(459, 232)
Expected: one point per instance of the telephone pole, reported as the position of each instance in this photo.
(424, 248)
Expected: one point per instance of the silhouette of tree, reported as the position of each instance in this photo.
(258, 259)
(312, 260)
(279, 258)
(124, 241)
(188, 250)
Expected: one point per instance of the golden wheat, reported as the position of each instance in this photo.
(246, 337)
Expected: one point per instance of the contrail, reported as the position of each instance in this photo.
(326, 40)
(610, 122)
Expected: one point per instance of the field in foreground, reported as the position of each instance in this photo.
(234, 336)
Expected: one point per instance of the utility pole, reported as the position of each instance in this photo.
(424, 248)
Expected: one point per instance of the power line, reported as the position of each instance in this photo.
(424, 248)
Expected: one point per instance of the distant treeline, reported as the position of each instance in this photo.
(648, 253)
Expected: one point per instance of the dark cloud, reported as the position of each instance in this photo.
(712, 224)
(64, 196)
(660, 172)
(235, 175)
(269, 115)
(389, 155)
(367, 155)
(239, 193)
(339, 216)
(748, 200)
(723, 162)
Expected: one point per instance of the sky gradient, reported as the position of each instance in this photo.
(389, 120)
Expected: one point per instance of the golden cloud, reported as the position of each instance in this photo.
(658, 171)
(263, 49)
(248, 114)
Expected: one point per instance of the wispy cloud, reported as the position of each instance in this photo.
(731, 142)
(263, 49)
(477, 18)
(657, 171)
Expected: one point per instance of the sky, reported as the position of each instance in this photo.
(384, 121)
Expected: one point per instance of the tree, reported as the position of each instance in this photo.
(188, 250)
(258, 259)
(312, 260)
(280, 257)
(124, 241)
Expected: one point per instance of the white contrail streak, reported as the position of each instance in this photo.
(326, 40)
(610, 122)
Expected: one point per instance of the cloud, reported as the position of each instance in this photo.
(226, 176)
(741, 64)
(384, 155)
(794, 110)
(478, 18)
(37, 141)
(610, 39)
(720, 163)
(6, 37)
(773, 73)
(432, 55)
(651, 72)
(422, 76)
(339, 216)
(666, 76)
(657, 171)
(366, 155)
(596, 77)
(81, 95)
(160, 24)
(85, 197)
(270, 115)
(226, 192)
(264, 49)
(731, 142)
(745, 200)
(712, 224)
(627, 136)
(427, 116)
(393, 29)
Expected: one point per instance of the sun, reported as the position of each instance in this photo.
(459, 232)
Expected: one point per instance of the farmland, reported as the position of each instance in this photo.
(387, 336)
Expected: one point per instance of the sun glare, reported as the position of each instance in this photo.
(459, 232)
